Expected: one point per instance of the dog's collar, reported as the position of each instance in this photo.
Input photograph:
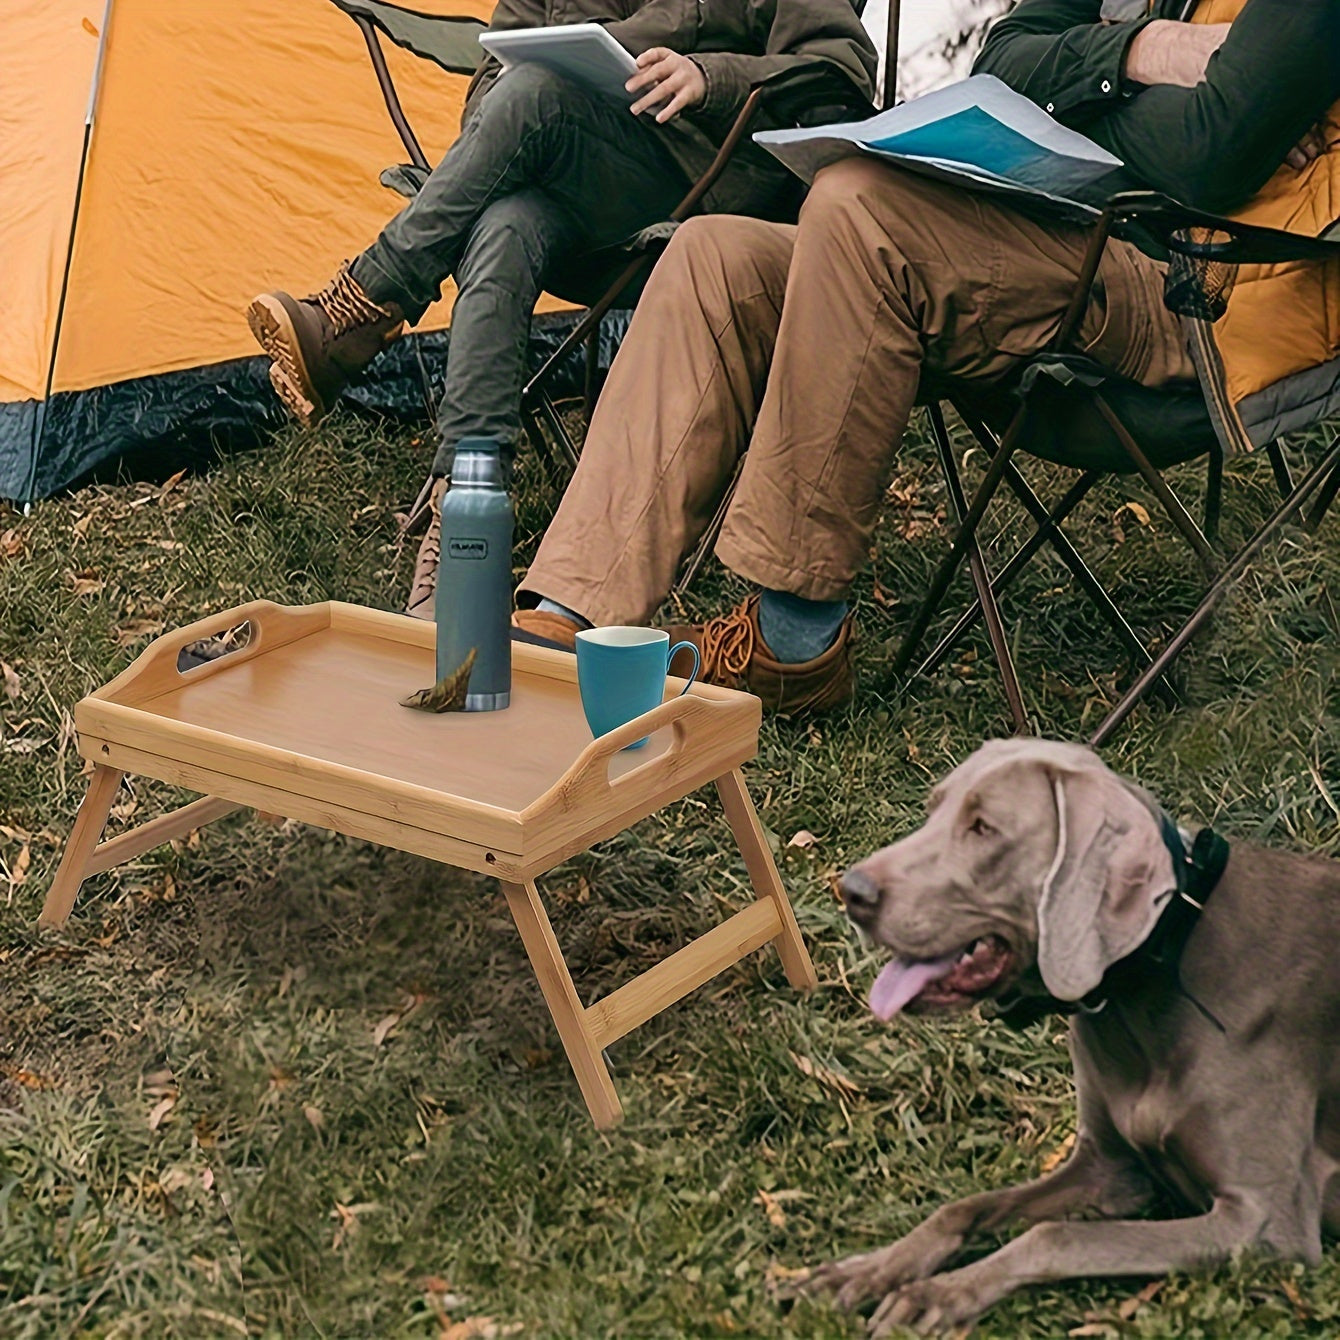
(1197, 868)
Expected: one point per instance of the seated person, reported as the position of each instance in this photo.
(806, 344)
(544, 171)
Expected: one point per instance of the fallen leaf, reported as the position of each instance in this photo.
(480, 1328)
(348, 1220)
(314, 1117)
(11, 544)
(824, 1075)
(85, 583)
(784, 1281)
(24, 746)
(448, 694)
(206, 1133)
(160, 1110)
(383, 1029)
(1095, 1328)
(776, 1215)
(134, 629)
(80, 527)
(804, 839)
(880, 596)
(28, 1079)
(1058, 1155)
(207, 1179)
(1130, 1306)
(18, 871)
(171, 484)
(13, 689)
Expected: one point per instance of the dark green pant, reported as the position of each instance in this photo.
(541, 172)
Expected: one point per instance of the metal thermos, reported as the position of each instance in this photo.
(474, 581)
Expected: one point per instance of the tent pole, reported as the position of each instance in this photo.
(40, 419)
(890, 93)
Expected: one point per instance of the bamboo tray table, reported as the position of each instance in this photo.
(304, 721)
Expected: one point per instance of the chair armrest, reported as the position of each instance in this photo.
(1148, 217)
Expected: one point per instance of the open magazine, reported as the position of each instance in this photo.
(977, 132)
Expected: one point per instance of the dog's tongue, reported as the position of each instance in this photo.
(903, 979)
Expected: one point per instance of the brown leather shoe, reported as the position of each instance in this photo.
(735, 655)
(543, 628)
(421, 603)
(317, 345)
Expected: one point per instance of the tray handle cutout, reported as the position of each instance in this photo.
(688, 716)
(159, 668)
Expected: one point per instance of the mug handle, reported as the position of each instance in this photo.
(697, 663)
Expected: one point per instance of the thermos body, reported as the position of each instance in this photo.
(474, 581)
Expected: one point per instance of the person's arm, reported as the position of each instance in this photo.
(1059, 54)
(802, 32)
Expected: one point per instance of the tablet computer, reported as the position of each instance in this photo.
(582, 52)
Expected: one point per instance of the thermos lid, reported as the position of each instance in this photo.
(478, 464)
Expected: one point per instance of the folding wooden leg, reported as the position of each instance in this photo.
(743, 819)
(88, 826)
(570, 1017)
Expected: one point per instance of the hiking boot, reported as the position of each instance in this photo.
(317, 345)
(735, 656)
(544, 628)
(423, 589)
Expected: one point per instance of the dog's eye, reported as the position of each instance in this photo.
(980, 827)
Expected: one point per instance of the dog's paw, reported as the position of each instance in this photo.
(941, 1306)
(856, 1279)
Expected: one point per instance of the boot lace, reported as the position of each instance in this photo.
(346, 305)
(726, 645)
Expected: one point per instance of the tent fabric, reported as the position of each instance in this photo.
(232, 148)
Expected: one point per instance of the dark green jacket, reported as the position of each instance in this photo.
(1213, 146)
(737, 44)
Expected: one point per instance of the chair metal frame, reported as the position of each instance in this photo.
(1154, 218)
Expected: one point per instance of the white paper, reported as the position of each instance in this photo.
(582, 52)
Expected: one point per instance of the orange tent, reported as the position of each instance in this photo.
(161, 164)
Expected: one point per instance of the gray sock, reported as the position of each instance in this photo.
(553, 607)
(797, 630)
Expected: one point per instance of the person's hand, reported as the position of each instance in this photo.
(675, 82)
(1311, 146)
(1167, 52)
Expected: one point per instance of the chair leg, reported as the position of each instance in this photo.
(981, 576)
(1214, 492)
(569, 1015)
(708, 542)
(590, 388)
(944, 575)
(1172, 505)
(1325, 497)
(74, 863)
(1049, 522)
(1280, 465)
(1323, 472)
(763, 875)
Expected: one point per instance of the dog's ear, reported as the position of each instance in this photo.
(1108, 882)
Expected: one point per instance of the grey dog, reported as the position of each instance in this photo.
(1208, 1078)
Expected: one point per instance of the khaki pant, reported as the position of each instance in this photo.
(806, 345)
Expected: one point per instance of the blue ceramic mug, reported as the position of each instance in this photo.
(621, 674)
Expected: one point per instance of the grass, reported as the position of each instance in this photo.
(272, 1082)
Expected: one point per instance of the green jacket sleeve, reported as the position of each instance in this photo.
(1060, 55)
(802, 32)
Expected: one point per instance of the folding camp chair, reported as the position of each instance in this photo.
(598, 280)
(1069, 411)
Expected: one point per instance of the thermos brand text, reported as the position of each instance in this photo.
(467, 548)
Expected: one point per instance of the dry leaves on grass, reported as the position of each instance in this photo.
(1137, 514)
(347, 1217)
(804, 840)
(409, 1002)
(26, 1079)
(86, 582)
(158, 1114)
(16, 871)
(134, 629)
(13, 686)
(1058, 1155)
(830, 1079)
(11, 544)
(773, 1201)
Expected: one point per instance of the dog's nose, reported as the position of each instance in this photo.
(861, 895)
